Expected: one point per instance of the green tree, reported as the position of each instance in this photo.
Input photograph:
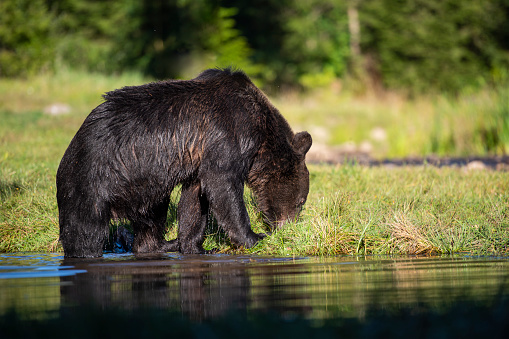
(176, 37)
(316, 48)
(26, 45)
(425, 45)
(298, 42)
(85, 31)
(262, 22)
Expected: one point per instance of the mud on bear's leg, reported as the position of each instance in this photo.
(82, 232)
(226, 197)
(149, 230)
(192, 214)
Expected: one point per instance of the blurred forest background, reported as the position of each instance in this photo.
(415, 45)
(454, 54)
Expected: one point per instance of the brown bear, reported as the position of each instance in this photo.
(211, 134)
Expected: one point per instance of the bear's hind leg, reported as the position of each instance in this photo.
(149, 231)
(192, 215)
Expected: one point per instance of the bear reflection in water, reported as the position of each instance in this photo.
(199, 289)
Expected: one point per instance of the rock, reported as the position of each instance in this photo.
(322, 153)
(348, 147)
(378, 134)
(57, 109)
(365, 147)
(320, 134)
(475, 165)
(502, 167)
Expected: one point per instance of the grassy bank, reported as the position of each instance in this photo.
(410, 210)
(351, 209)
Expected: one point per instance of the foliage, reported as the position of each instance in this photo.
(442, 45)
(300, 42)
(26, 37)
(84, 33)
(413, 46)
(316, 48)
(180, 38)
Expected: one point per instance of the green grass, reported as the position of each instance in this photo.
(350, 210)
(420, 210)
(81, 90)
(471, 123)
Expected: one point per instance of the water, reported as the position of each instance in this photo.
(209, 286)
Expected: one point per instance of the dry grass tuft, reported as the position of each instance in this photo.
(409, 238)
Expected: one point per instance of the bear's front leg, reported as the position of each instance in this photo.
(192, 216)
(83, 226)
(226, 198)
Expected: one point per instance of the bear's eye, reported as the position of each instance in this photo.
(301, 202)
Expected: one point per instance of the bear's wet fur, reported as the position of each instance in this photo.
(212, 134)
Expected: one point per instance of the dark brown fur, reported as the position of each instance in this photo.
(211, 134)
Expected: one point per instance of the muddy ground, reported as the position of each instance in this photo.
(337, 155)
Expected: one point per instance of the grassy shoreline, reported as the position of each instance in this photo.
(351, 209)
(406, 210)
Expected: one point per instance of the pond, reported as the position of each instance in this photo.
(209, 286)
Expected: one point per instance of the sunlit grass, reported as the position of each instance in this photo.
(408, 210)
(350, 210)
(82, 91)
(469, 124)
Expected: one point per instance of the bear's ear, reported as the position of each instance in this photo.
(302, 142)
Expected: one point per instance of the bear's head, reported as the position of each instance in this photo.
(282, 185)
